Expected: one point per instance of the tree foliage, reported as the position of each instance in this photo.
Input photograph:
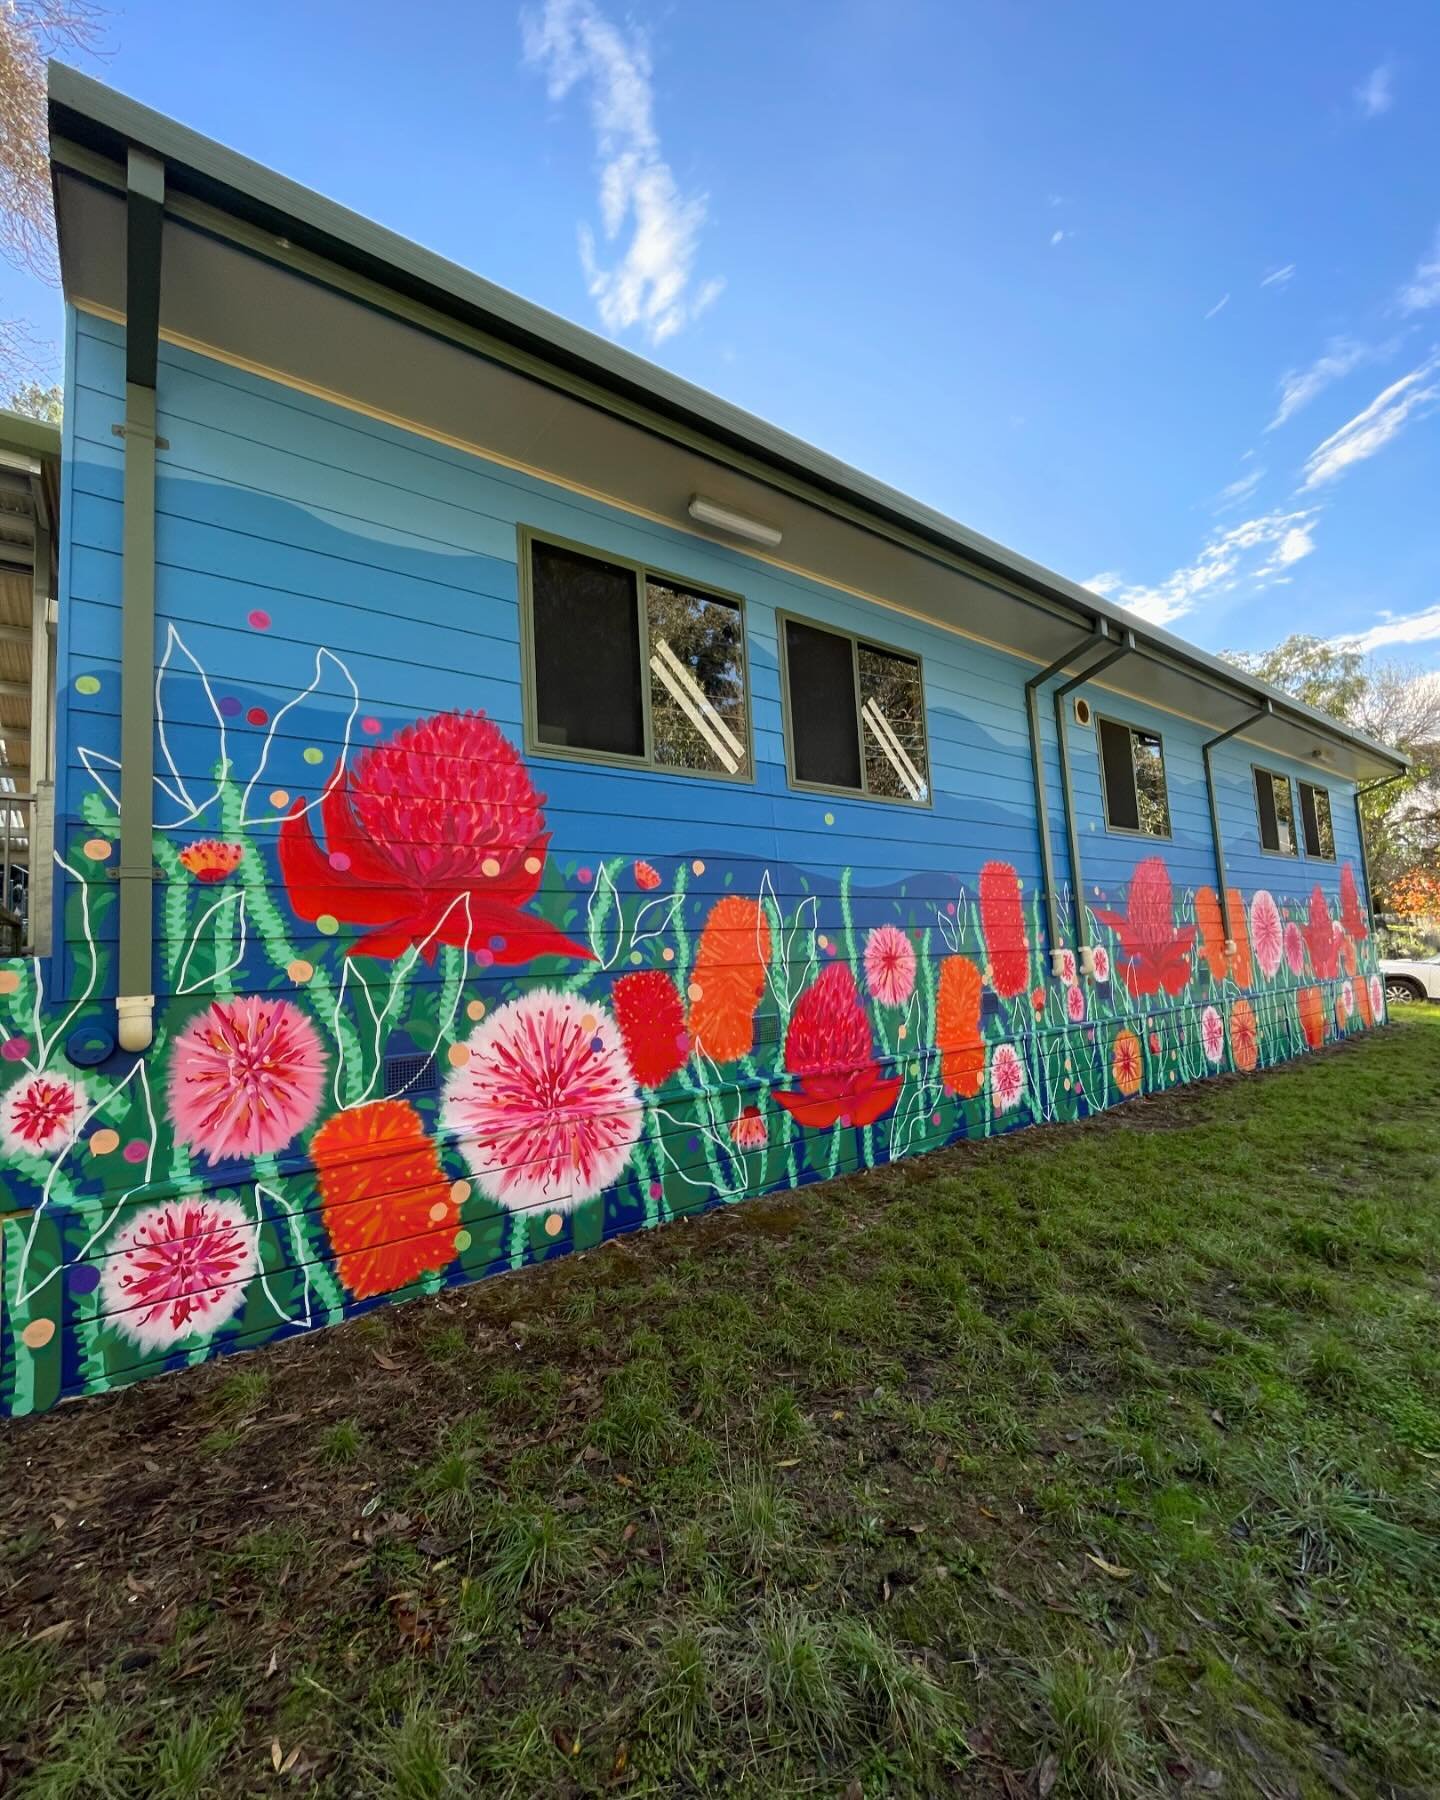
(1398, 706)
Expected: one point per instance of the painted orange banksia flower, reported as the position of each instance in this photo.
(389, 1212)
(729, 978)
(957, 1027)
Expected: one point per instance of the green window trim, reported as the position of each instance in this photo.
(857, 642)
(1143, 731)
(644, 573)
(1273, 776)
(1322, 819)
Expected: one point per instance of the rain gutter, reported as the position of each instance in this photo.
(1072, 830)
(1098, 636)
(1221, 882)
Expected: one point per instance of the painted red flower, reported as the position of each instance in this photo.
(647, 877)
(748, 1130)
(389, 1212)
(1352, 913)
(1156, 950)
(829, 1047)
(435, 837)
(1002, 919)
(210, 860)
(652, 1023)
(1322, 938)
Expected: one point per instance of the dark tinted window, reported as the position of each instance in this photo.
(824, 734)
(585, 640)
(1275, 806)
(1315, 818)
(1132, 768)
(1118, 770)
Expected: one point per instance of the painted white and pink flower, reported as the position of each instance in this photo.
(1100, 963)
(245, 1077)
(1347, 998)
(1075, 1004)
(1066, 963)
(39, 1115)
(1377, 999)
(889, 965)
(1212, 1035)
(1267, 933)
(1007, 1078)
(545, 1109)
(1294, 949)
(177, 1271)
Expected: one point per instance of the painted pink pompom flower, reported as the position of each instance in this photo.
(39, 1115)
(1007, 1078)
(245, 1077)
(1075, 1004)
(1212, 1034)
(545, 1110)
(1294, 949)
(1100, 963)
(1347, 998)
(1267, 934)
(177, 1271)
(1377, 999)
(1067, 967)
(890, 965)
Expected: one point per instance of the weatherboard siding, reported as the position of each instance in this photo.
(325, 580)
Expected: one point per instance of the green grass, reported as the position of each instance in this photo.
(1096, 1462)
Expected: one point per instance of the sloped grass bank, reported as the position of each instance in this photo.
(1095, 1461)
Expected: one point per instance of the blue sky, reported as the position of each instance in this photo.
(1151, 294)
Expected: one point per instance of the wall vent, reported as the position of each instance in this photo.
(1083, 714)
(411, 1075)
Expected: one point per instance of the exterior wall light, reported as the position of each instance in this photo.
(710, 512)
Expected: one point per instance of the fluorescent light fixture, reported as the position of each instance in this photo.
(710, 512)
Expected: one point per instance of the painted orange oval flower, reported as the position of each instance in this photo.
(1310, 1004)
(1211, 920)
(1127, 1063)
(1242, 969)
(957, 1026)
(389, 1212)
(730, 978)
(1244, 1036)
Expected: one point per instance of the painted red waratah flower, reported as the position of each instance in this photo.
(1002, 919)
(1322, 938)
(178, 1270)
(1156, 950)
(1352, 913)
(210, 860)
(829, 1047)
(651, 1017)
(435, 837)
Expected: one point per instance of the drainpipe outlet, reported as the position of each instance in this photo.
(135, 1018)
(1087, 961)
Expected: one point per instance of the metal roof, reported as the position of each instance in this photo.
(86, 113)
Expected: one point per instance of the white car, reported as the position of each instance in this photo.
(1410, 978)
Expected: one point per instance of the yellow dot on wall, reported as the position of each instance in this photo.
(490, 868)
(694, 990)
(102, 1143)
(9, 981)
(588, 1021)
(459, 1055)
(279, 799)
(829, 818)
(462, 1240)
(475, 1010)
(97, 849)
(327, 924)
(312, 755)
(37, 1334)
(300, 971)
(533, 865)
(903, 1033)
(439, 1211)
(668, 954)
(698, 866)
(87, 684)
(554, 1225)
(459, 1192)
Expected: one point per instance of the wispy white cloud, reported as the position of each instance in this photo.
(1254, 555)
(1412, 396)
(1278, 277)
(1238, 490)
(1422, 290)
(1059, 237)
(1219, 306)
(1421, 627)
(1376, 93)
(650, 286)
(1298, 387)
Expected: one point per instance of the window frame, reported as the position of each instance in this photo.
(644, 572)
(1132, 831)
(1294, 855)
(1315, 788)
(855, 639)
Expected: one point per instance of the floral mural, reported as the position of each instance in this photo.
(401, 1043)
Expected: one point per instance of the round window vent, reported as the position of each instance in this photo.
(1083, 714)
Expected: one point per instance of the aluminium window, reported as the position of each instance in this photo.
(854, 715)
(1315, 821)
(1132, 776)
(1275, 807)
(629, 665)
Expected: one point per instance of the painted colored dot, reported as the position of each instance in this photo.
(459, 1055)
(37, 1334)
(338, 860)
(950, 908)
(533, 865)
(279, 799)
(300, 971)
(823, 941)
(490, 868)
(588, 1021)
(87, 684)
(667, 954)
(327, 924)
(694, 990)
(698, 866)
(829, 818)
(1067, 1084)
(439, 1212)
(135, 1151)
(459, 1192)
(584, 874)
(682, 1042)
(903, 1033)
(312, 755)
(15, 1049)
(554, 1225)
(462, 1241)
(82, 1278)
(636, 958)
(105, 1142)
(230, 707)
(97, 849)
(371, 727)
(484, 957)
(597, 1043)
(475, 1010)
(259, 619)
(692, 1142)
(934, 1118)
(9, 980)
(657, 1190)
